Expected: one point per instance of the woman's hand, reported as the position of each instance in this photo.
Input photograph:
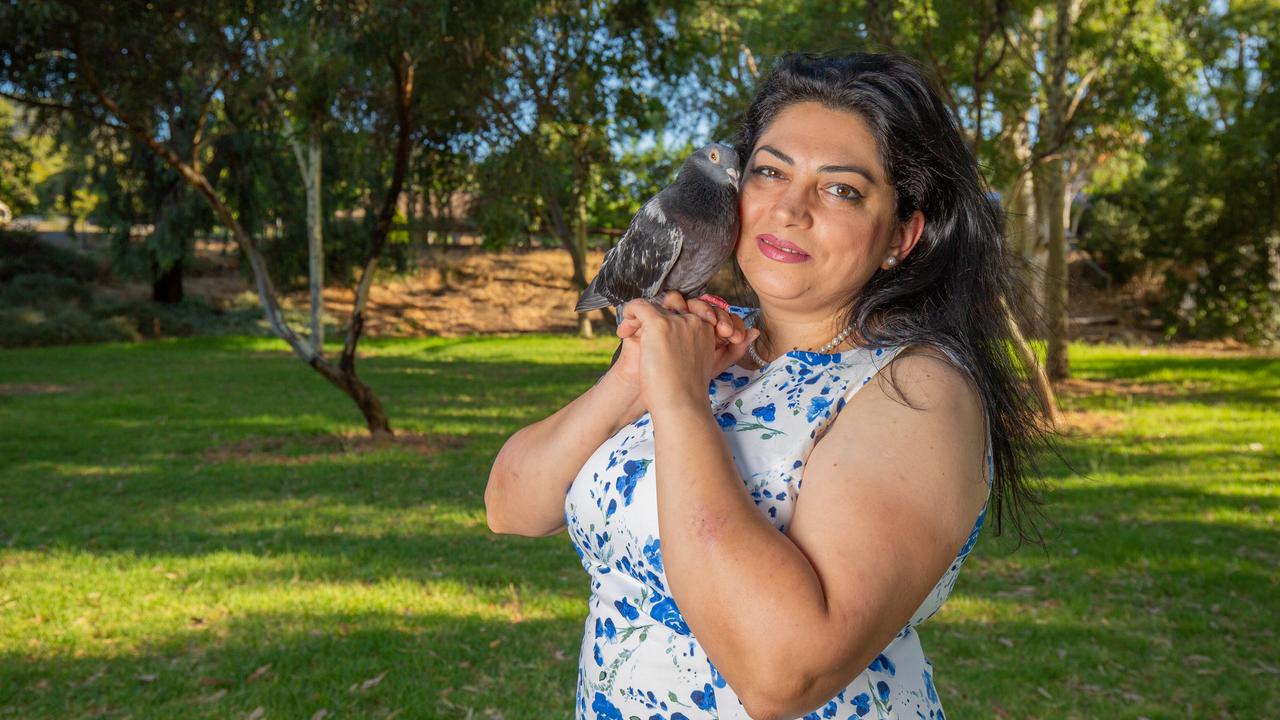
(672, 352)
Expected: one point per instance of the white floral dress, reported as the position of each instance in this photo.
(639, 658)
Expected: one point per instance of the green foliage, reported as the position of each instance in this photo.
(346, 249)
(16, 158)
(62, 325)
(1205, 208)
(21, 253)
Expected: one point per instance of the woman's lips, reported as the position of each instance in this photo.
(780, 250)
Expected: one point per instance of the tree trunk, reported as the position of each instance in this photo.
(1055, 301)
(167, 286)
(580, 255)
(403, 70)
(1036, 374)
(311, 175)
(1051, 184)
(346, 379)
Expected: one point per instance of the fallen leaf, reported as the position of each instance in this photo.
(320, 714)
(1005, 642)
(372, 682)
(257, 714)
(258, 673)
(214, 697)
(1044, 692)
(206, 681)
(148, 677)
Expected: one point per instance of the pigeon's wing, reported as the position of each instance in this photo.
(639, 263)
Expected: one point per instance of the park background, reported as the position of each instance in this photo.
(278, 279)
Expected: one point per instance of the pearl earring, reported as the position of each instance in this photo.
(891, 261)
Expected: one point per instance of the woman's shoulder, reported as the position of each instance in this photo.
(924, 378)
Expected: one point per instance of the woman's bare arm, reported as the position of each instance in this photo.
(533, 471)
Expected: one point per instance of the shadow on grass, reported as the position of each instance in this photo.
(358, 664)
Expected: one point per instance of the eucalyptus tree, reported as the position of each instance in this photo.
(581, 76)
(166, 75)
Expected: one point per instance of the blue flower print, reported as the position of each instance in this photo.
(627, 609)
(634, 469)
(813, 358)
(653, 553)
(817, 404)
(765, 413)
(882, 689)
(705, 698)
(829, 710)
(716, 678)
(610, 630)
(595, 651)
(605, 710)
(613, 507)
(928, 686)
(862, 704)
(726, 420)
(883, 664)
(666, 612)
(599, 628)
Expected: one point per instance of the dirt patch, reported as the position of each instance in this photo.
(16, 389)
(1081, 387)
(276, 450)
(1092, 423)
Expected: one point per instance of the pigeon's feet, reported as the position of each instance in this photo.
(714, 300)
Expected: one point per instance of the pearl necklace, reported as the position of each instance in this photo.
(751, 349)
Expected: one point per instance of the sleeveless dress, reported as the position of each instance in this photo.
(638, 658)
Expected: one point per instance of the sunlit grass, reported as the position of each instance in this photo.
(189, 528)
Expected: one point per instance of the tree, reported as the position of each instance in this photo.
(15, 164)
(166, 77)
(575, 78)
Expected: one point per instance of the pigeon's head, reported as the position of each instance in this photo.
(717, 161)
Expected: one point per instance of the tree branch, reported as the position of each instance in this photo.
(52, 105)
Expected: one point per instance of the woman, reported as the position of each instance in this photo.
(763, 525)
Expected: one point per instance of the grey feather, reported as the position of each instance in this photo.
(678, 240)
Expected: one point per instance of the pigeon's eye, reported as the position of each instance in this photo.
(715, 156)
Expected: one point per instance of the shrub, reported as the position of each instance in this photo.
(28, 327)
(22, 253)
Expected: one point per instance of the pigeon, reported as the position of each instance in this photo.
(679, 238)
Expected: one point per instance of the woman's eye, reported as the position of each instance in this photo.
(845, 192)
(766, 171)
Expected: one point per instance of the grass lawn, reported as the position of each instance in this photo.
(184, 533)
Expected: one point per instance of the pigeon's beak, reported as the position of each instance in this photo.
(732, 173)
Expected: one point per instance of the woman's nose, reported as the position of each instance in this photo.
(792, 205)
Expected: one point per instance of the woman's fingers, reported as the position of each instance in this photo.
(729, 327)
(674, 302)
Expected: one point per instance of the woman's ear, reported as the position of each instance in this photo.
(905, 236)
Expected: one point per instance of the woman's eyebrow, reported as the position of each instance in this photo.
(871, 178)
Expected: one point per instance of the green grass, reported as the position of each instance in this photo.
(177, 539)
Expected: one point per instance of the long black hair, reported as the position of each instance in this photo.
(950, 292)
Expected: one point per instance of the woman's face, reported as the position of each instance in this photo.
(817, 211)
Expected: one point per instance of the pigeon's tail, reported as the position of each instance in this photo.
(591, 300)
